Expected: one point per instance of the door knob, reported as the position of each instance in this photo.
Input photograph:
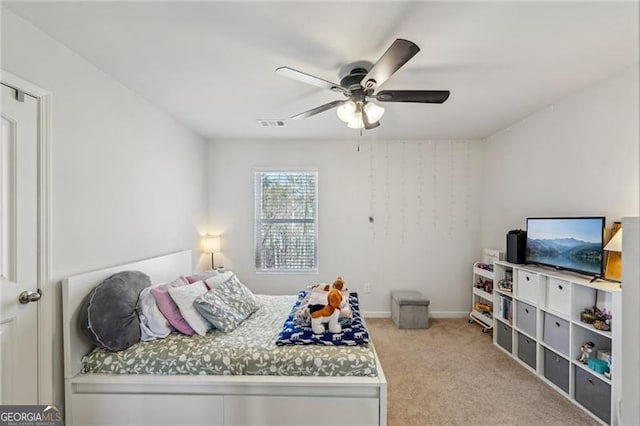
(29, 296)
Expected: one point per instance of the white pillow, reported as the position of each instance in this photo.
(153, 325)
(184, 297)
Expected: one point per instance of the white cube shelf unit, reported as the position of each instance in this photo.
(482, 297)
(539, 324)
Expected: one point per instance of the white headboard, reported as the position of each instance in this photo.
(75, 288)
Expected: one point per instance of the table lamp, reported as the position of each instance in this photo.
(210, 244)
(613, 269)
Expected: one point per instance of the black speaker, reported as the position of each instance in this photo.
(516, 243)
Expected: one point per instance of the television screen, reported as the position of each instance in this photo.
(572, 243)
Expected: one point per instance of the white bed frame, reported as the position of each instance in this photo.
(101, 399)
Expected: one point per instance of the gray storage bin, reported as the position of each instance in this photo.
(504, 336)
(527, 350)
(556, 333)
(556, 369)
(593, 394)
(409, 309)
(526, 318)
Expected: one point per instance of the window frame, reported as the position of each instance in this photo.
(258, 209)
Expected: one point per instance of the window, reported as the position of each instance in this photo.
(286, 221)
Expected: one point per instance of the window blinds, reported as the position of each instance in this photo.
(286, 221)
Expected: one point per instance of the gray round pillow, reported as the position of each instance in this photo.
(108, 314)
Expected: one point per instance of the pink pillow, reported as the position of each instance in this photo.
(169, 308)
(202, 276)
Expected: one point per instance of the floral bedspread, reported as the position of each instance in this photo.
(248, 350)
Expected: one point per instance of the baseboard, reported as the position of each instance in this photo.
(376, 314)
(449, 314)
(432, 314)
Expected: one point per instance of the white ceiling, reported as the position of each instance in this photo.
(211, 64)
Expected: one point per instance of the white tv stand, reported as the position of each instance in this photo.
(538, 324)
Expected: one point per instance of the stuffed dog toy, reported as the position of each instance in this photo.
(329, 313)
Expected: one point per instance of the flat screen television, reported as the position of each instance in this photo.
(571, 243)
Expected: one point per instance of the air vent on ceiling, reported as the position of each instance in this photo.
(271, 123)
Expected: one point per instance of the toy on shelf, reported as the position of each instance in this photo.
(483, 307)
(605, 356)
(505, 285)
(585, 352)
(598, 365)
(485, 266)
(600, 318)
(486, 285)
(587, 316)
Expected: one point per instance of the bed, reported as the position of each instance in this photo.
(288, 394)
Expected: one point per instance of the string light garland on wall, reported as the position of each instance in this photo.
(434, 183)
(401, 175)
(420, 186)
(387, 206)
(371, 191)
(467, 185)
(452, 188)
(403, 192)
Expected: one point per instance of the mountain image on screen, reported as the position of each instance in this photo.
(567, 253)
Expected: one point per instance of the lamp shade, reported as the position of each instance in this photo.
(356, 122)
(210, 244)
(613, 269)
(373, 111)
(346, 111)
(615, 243)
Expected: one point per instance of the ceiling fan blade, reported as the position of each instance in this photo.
(316, 110)
(395, 57)
(310, 79)
(422, 96)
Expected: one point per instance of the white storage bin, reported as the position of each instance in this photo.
(527, 286)
(558, 296)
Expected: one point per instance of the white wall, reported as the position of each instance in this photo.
(423, 196)
(128, 180)
(576, 157)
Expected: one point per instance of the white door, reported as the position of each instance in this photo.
(18, 249)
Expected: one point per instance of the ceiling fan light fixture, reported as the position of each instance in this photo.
(374, 112)
(347, 111)
(356, 122)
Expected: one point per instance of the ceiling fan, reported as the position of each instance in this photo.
(359, 86)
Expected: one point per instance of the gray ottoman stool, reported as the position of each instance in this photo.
(409, 309)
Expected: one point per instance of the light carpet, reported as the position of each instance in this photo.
(452, 374)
